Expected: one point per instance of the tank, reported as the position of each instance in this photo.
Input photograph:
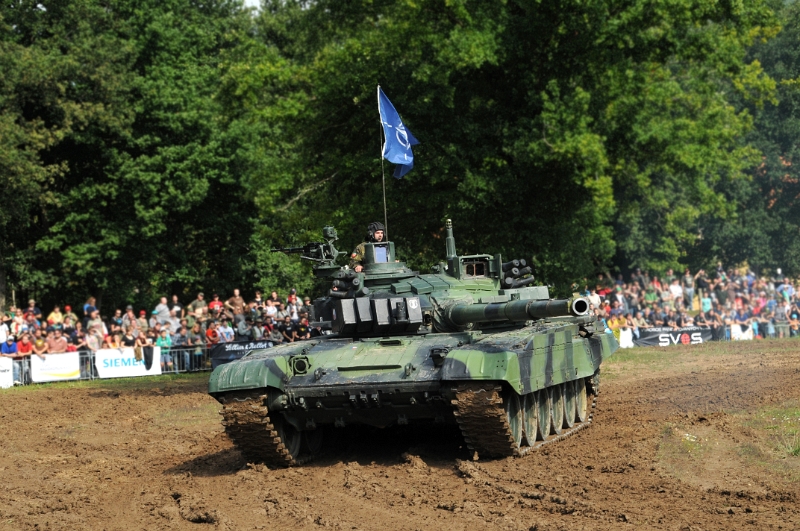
(474, 342)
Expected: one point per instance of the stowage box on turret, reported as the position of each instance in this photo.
(474, 342)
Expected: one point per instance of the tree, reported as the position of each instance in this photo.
(571, 132)
(138, 190)
(765, 231)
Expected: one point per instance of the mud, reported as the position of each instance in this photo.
(154, 456)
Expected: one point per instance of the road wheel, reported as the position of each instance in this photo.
(581, 401)
(568, 390)
(543, 414)
(556, 409)
(530, 413)
(290, 437)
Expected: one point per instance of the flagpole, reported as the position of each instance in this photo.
(383, 173)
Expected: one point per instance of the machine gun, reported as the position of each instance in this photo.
(323, 253)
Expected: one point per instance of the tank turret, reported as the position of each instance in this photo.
(475, 342)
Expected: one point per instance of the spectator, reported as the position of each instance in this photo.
(172, 321)
(235, 304)
(180, 351)
(198, 304)
(594, 298)
(4, 332)
(270, 310)
(781, 317)
(34, 310)
(9, 350)
(258, 299)
(176, 306)
(17, 323)
(116, 321)
(244, 330)
(69, 313)
(196, 340)
(215, 305)
(676, 291)
(292, 298)
(274, 298)
(281, 314)
(128, 340)
(257, 331)
(68, 327)
(56, 318)
(303, 330)
(165, 342)
(688, 289)
(39, 343)
(112, 341)
(615, 324)
(129, 319)
(226, 334)
(153, 322)
(90, 304)
(94, 339)
(57, 344)
(25, 345)
(212, 334)
(161, 311)
(77, 338)
(794, 321)
(272, 332)
(141, 321)
(288, 330)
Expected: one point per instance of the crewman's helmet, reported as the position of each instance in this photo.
(373, 228)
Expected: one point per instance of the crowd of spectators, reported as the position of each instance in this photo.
(183, 331)
(733, 303)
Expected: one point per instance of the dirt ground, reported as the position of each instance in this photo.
(690, 438)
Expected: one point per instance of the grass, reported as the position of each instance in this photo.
(142, 382)
(683, 358)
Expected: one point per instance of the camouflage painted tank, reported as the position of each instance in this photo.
(474, 342)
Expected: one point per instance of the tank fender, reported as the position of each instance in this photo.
(474, 363)
(254, 373)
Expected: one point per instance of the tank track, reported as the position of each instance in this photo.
(479, 411)
(246, 420)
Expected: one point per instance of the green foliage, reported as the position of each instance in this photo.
(166, 146)
(574, 133)
(766, 227)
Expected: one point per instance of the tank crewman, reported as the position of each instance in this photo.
(375, 232)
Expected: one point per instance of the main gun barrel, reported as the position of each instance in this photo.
(516, 311)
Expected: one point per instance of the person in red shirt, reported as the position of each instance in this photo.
(212, 336)
(24, 346)
(215, 303)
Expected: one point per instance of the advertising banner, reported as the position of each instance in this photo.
(56, 367)
(222, 353)
(666, 336)
(6, 373)
(123, 362)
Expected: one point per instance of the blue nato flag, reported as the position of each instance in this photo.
(397, 139)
